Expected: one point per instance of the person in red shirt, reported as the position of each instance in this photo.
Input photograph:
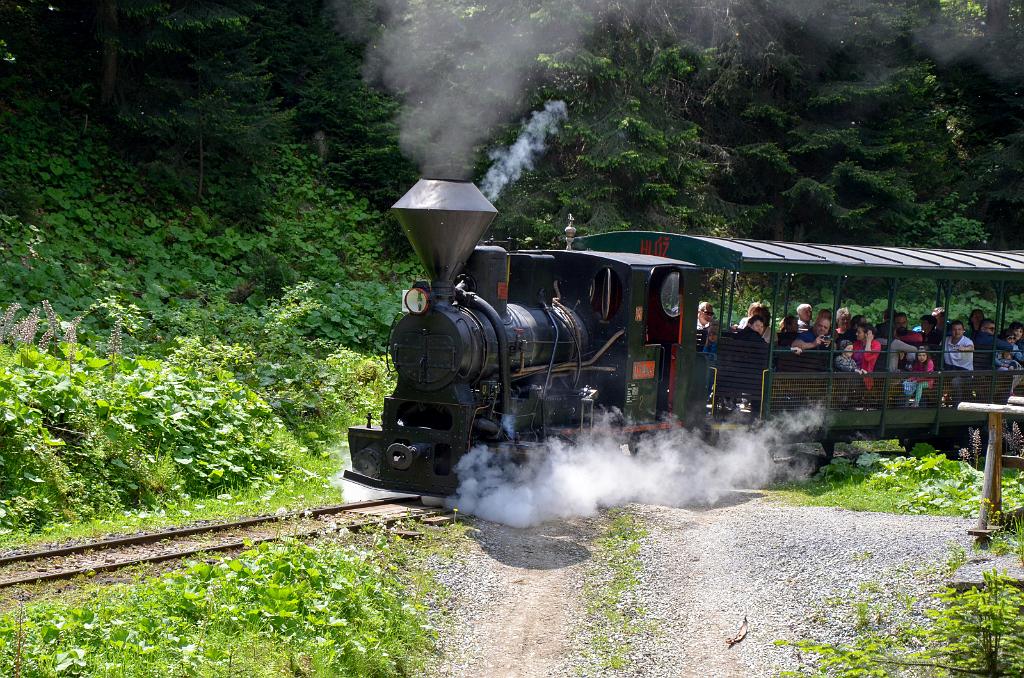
(866, 350)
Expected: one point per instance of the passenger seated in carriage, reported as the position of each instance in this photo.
(1006, 363)
(1014, 334)
(844, 362)
(930, 331)
(753, 329)
(986, 339)
(904, 341)
(803, 317)
(851, 333)
(959, 350)
(817, 337)
(974, 323)
(842, 322)
(866, 351)
(787, 331)
(913, 387)
(757, 310)
(705, 315)
(900, 328)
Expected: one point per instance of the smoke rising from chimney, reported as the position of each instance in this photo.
(464, 71)
(510, 163)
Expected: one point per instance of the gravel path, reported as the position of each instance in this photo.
(792, 571)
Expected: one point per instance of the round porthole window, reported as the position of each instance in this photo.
(606, 294)
(670, 295)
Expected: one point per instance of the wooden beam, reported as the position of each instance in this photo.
(1011, 410)
(978, 532)
(1013, 462)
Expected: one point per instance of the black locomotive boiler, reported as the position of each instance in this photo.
(507, 349)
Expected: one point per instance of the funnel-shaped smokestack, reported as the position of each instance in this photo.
(444, 220)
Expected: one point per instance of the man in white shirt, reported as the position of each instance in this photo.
(803, 317)
(959, 349)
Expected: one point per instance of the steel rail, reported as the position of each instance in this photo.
(153, 537)
(383, 521)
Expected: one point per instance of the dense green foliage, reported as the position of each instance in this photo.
(281, 609)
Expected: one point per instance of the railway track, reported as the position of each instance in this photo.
(21, 568)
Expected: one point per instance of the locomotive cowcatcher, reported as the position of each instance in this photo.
(507, 349)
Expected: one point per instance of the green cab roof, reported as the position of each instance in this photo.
(761, 256)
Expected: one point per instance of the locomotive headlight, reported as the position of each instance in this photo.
(417, 301)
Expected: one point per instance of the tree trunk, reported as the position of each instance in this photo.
(997, 16)
(106, 30)
(202, 162)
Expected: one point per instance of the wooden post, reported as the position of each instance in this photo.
(996, 422)
(992, 485)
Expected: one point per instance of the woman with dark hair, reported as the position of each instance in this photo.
(974, 322)
(1014, 334)
(866, 350)
(787, 331)
(757, 310)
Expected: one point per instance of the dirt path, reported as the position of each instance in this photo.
(518, 608)
(514, 597)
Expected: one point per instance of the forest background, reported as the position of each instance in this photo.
(199, 190)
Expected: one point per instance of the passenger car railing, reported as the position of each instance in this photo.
(796, 385)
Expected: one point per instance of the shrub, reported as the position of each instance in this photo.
(79, 432)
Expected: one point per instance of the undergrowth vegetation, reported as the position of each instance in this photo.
(282, 609)
(925, 483)
(85, 434)
(80, 432)
(83, 224)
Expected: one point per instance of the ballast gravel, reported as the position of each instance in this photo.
(517, 603)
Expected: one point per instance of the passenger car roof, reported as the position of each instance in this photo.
(738, 254)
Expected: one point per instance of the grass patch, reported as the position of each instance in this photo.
(278, 609)
(854, 494)
(929, 484)
(608, 590)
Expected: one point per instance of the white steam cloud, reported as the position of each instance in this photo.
(510, 163)
(676, 468)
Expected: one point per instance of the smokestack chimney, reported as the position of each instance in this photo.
(444, 220)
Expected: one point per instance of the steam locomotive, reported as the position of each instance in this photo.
(508, 349)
